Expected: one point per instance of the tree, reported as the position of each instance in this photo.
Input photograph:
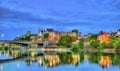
(92, 37)
(75, 30)
(81, 43)
(65, 40)
(114, 44)
(102, 45)
(46, 35)
(94, 43)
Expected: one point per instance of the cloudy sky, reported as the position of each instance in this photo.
(18, 16)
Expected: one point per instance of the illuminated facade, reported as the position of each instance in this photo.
(103, 37)
(54, 36)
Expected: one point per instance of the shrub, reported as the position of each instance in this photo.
(102, 45)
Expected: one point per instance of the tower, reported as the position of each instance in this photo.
(40, 32)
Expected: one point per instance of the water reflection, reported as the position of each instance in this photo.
(1, 67)
(0, 53)
(60, 59)
(105, 61)
(9, 54)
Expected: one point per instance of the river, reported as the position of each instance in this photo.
(56, 61)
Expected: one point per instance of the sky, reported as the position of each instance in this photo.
(88, 16)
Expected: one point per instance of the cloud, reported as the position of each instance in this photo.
(12, 15)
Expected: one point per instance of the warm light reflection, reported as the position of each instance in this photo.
(0, 53)
(75, 59)
(40, 60)
(15, 53)
(105, 61)
(53, 60)
(33, 53)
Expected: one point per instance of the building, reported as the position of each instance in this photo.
(33, 37)
(54, 36)
(40, 32)
(49, 30)
(86, 36)
(28, 33)
(118, 32)
(103, 37)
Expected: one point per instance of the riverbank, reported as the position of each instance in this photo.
(70, 49)
(56, 49)
(85, 50)
(93, 50)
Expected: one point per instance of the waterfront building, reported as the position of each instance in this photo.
(103, 37)
(54, 36)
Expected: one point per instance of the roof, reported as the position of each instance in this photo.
(33, 35)
(49, 30)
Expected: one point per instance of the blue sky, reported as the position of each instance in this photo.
(18, 16)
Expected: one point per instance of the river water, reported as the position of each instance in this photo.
(54, 61)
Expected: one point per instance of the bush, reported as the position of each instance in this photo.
(102, 45)
(74, 45)
(94, 43)
(113, 44)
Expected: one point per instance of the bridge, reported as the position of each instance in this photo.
(20, 42)
(23, 43)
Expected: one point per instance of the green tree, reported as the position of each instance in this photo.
(94, 43)
(74, 46)
(25, 38)
(46, 35)
(81, 43)
(101, 45)
(92, 37)
(113, 44)
(65, 40)
(75, 30)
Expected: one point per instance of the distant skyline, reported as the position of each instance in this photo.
(88, 16)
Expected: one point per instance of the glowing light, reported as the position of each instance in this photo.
(2, 35)
(18, 65)
(1, 67)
